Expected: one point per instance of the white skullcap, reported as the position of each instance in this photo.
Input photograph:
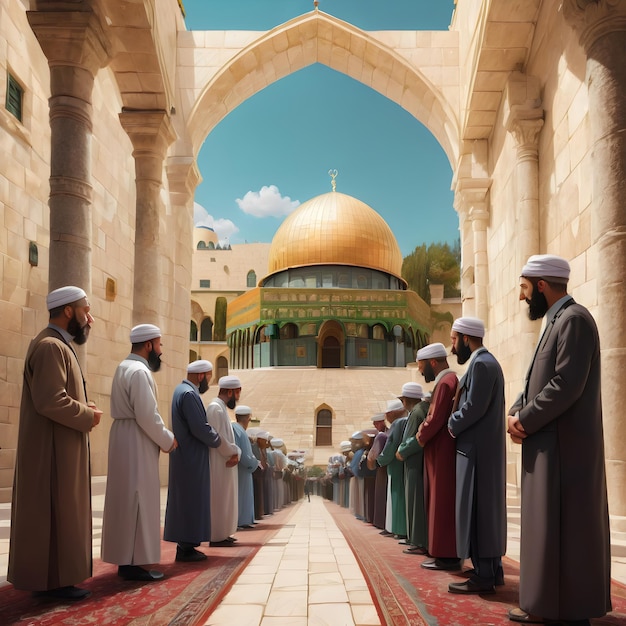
(547, 266)
(229, 382)
(394, 405)
(64, 295)
(263, 434)
(344, 446)
(199, 367)
(428, 395)
(277, 442)
(470, 326)
(144, 332)
(432, 351)
(410, 390)
(379, 417)
(242, 409)
(357, 435)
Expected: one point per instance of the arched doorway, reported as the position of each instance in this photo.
(331, 352)
(331, 344)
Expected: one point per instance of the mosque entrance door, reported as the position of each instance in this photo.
(331, 352)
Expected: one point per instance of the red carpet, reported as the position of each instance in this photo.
(408, 595)
(185, 597)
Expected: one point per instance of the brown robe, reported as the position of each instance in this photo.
(51, 508)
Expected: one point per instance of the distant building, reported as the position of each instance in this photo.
(333, 295)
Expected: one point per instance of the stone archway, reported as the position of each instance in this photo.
(331, 345)
(379, 60)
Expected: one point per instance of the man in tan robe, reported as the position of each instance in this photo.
(50, 549)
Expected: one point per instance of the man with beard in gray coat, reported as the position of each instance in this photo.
(478, 425)
(565, 558)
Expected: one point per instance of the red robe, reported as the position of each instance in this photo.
(440, 469)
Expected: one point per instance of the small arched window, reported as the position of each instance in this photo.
(193, 331)
(324, 428)
(206, 329)
(251, 279)
(201, 245)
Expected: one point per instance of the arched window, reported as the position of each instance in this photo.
(201, 245)
(251, 279)
(211, 246)
(289, 331)
(324, 428)
(193, 331)
(206, 329)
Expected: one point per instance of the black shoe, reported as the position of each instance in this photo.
(499, 576)
(231, 539)
(134, 572)
(222, 544)
(385, 533)
(189, 556)
(471, 585)
(64, 593)
(420, 550)
(449, 565)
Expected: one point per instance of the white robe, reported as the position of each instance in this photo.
(131, 529)
(224, 489)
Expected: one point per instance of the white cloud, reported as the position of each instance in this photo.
(267, 203)
(224, 228)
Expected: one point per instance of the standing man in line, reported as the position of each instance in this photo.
(188, 512)
(412, 455)
(380, 488)
(131, 524)
(50, 548)
(565, 560)
(224, 459)
(246, 466)
(478, 427)
(439, 462)
(397, 418)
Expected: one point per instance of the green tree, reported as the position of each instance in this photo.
(415, 272)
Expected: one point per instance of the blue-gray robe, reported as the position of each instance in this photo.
(188, 513)
(247, 464)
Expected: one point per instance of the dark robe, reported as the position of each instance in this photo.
(565, 559)
(413, 455)
(479, 427)
(188, 512)
(440, 469)
(380, 490)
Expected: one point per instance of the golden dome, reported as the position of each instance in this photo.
(335, 229)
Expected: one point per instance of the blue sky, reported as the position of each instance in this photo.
(274, 151)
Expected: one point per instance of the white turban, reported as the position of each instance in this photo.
(242, 409)
(379, 417)
(200, 366)
(263, 434)
(548, 267)
(344, 446)
(229, 382)
(357, 435)
(470, 326)
(394, 405)
(144, 332)
(64, 295)
(409, 390)
(277, 442)
(432, 351)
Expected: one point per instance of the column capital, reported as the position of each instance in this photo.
(473, 191)
(592, 19)
(151, 132)
(526, 131)
(71, 38)
(183, 175)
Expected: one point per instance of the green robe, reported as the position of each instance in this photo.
(413, 455)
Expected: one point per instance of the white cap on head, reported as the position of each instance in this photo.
(242, 409)
(63, 296)
(394, 405)
(379, 417)
(229, 382)
(344, 446)
(200, 366)
(277, 442)
(357, 435)
(432, 351)
(144, 332)
(411, 390)
(547, 266)
(470, 326)
(263, 434)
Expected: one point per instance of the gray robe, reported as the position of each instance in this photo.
(565, 562)
(479, 427)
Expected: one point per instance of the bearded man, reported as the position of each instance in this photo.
(50, 548)
(565, 557)
(224, 460)
(131, 525)
(188, 512)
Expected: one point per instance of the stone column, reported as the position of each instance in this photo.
(474, 198)
(76, 48)
(151, 134)
(601, 25)
(525, 121)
